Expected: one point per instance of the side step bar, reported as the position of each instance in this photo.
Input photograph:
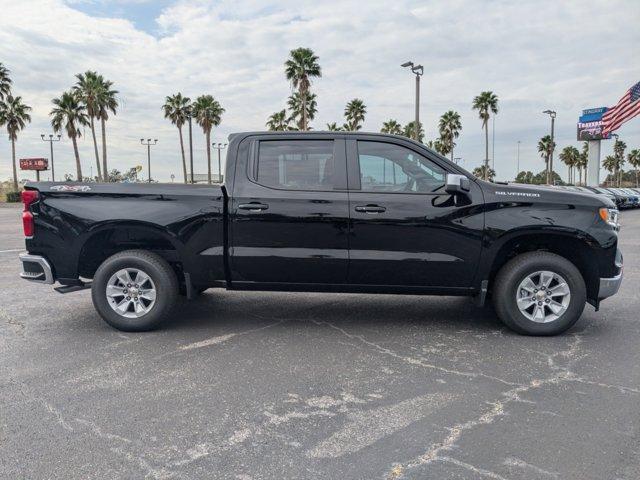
(72, 288)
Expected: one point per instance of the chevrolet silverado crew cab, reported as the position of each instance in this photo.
(331, 212)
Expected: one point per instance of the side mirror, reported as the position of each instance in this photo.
(457, 184)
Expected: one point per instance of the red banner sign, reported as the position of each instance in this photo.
(34, 164)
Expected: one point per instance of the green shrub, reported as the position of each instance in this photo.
(13, 197)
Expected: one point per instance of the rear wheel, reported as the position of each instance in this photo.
(539, 293)
(134, 290)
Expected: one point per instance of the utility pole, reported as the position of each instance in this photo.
(219, 147)
(552, 114)
(51, 139)
(148, 145)
(418, 70)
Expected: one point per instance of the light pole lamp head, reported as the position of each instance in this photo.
(42, 136)
(418, 69)
(142, 140)
(407, 64)
(551, 113)
(155, 140)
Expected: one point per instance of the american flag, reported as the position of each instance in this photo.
(627, 108)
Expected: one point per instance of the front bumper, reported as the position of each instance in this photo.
(36, 269)
(609, 286)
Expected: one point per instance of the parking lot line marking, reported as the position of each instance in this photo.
(12, 251)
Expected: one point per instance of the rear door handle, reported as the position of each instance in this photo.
(370, 209)
(253, 206)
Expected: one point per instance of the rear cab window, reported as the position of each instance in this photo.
(296, 164)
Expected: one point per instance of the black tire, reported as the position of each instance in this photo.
(515, 271)
(164, 280)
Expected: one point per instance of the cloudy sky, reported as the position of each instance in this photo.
(534, 55)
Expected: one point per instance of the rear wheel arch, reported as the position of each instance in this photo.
(107, 240)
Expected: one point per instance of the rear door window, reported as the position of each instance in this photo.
(296, 164)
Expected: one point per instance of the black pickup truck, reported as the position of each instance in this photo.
(333, 212)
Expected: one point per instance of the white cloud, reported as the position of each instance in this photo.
(534, 55)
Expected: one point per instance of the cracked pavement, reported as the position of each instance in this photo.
(249, 385)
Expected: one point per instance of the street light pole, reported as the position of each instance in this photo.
(418, 70)
(219, 147)
(51, 139)
(190, 147)
(148, 145)
(518, 160)
(552, 114)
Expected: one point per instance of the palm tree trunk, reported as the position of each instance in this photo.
(184, 159)
(95, 149)
(208, 135)
(13, 157)
(303, 97)
(452, 152)
(636, 178)
(486, 150)
(77, 154)
(105, 170)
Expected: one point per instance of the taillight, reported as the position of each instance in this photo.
(28, 197)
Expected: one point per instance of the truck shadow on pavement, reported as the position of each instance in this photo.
(218, 308)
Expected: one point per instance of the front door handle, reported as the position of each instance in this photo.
(253, 206)
(370, 209)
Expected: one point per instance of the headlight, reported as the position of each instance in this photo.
(610, 216)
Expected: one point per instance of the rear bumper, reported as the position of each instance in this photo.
(36, 269)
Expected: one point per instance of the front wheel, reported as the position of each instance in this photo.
(134, 290)
(539, 293)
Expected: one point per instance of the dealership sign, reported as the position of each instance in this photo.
(34, 164)
(590, 124)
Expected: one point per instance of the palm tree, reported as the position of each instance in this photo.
(438, 146)
(300, 68)
(354, 113)
(177, 108)
(570, 156)
(609, 163)
(449, 127)
(5, 82)
(409, 130)
(486, 103)
(14, 115)
(392, 127)
(69, 114)
(633, 157)
(107, 102)
(302, 111)
(87, 89)
(334, 127)
(545, 147)
(208, 113)
(278, 121)
(484, 172)
(618, 151)
(583, 161)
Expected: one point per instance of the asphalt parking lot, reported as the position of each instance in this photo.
(314, 386)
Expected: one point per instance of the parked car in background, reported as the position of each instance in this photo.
(594, 191)
(620, 200)
(635, 198)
